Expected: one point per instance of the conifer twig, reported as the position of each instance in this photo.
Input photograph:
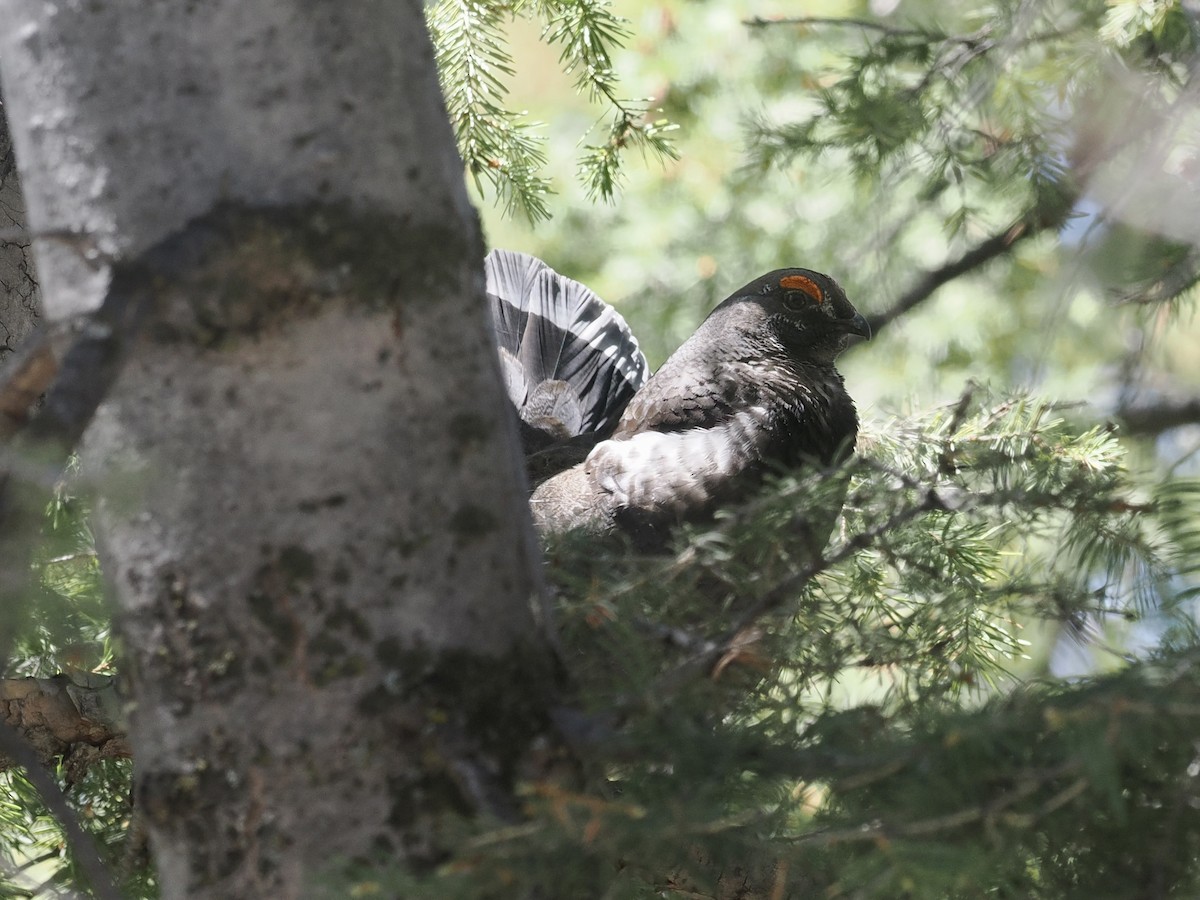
(982, 812)
(789, 586)
(846, 22)
(984, 252)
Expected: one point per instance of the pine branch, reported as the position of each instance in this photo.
(982, 253)
(588, 33)
(1178, 278)
(943, 523)
(980, 40)
(985, 813)
(846, 22)
(792, 586)
(83, 847)
(965, 485)
(497, 144)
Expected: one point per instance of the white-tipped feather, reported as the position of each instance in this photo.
(556, 330)
(657, 470)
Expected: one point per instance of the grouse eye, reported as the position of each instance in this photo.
(795, 300)
(799, 291)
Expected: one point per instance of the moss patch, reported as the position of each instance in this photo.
(239, 271)
(471, 522)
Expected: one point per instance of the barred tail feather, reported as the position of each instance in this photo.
(570, 362)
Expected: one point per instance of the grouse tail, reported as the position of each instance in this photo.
(570, 362)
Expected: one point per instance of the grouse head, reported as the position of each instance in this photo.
(764, 355)
(799, 313)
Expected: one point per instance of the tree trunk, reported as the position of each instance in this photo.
(310, 504)
(19, 301)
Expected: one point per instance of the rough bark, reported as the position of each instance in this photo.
(311, 508)
(26, 368)
(73, 718)
(19, 300)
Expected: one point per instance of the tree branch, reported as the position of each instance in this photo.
(872, 831)
(865, 24)
(82, 846)
(56, 715)
(26, 377)
(983, 252)
(978, 38)
(1159, 416)
(1178, 278)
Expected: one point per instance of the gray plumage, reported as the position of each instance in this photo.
(753, 390)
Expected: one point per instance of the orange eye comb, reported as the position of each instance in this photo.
(800, 283)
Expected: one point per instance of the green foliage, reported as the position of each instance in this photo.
(973, 120)
(887, 721)
(851, 723)
(499, 144)
(69, 633)
(587, 32)
(1127, 21)
(37, 860)
(496, 143)
(71, 630)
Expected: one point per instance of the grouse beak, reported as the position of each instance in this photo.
(858, 325)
